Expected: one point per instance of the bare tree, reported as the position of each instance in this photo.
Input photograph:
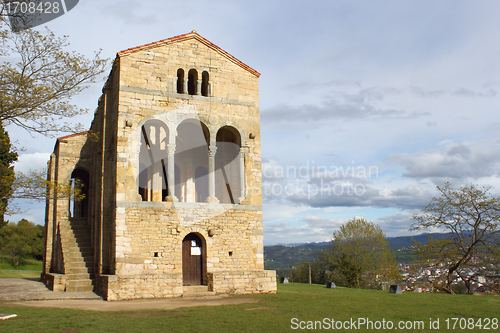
(472, 253)
(36, 90)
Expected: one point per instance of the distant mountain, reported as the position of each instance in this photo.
(283, 257)
(407, 241)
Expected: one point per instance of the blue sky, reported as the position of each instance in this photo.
(406, 88)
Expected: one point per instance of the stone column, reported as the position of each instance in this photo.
(243, 154)
(171, 172)
(198, 87)
(185, 87)
(211, 174)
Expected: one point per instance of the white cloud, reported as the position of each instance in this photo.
(32, 161)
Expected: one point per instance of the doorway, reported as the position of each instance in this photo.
(192, 260)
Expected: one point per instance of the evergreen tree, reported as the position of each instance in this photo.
(7, 177)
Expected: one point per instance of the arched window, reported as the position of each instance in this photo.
(153, 156)
(228, 166)
(80, 187)
(192, 81)
(204, 84)
(191, 153)
(180, 81)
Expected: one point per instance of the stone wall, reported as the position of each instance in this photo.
(243, 282)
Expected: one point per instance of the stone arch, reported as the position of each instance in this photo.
(152, 164)
(192, 82)
(205, 86)
(79, 205)
(242, 132)
(192, 140)
(189, 258)
(229, 166)
(180, 81)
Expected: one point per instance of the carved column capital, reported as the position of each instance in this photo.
(211, 151)
(171, 149)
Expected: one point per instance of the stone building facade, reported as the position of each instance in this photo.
(170, 170)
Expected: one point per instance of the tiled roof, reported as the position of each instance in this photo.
(191, 35)
(70, 136)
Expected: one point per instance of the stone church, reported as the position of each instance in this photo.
(170, 176)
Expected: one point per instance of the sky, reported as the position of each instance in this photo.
(366, 106)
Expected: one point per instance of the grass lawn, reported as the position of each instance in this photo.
(273, 313)
(27, 264)
(19, 274)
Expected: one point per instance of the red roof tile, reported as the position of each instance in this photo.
(191, 35)
(71, 135)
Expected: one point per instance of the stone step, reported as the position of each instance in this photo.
(78, 227)
(80, 289)
(78, 255)
(197, 291)
(71, 237)
(78, 283)
(86, 251)
(75, 247)
(79, 286)
(77, 270)
(79, 276)
(78, 263)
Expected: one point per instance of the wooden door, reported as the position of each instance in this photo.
(192, 260)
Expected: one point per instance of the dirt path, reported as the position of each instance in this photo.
(32, 293)
(32, 289)
(135, 305)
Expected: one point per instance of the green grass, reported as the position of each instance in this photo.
(19, 274)
(406, 256)
(272, 314)
(27, 264)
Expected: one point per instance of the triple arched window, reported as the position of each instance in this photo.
(190, 166)
(192, 84)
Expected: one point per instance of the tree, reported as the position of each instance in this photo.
(300, 273)
(21, 240)
(360, 257)
(472, 253)
(7, 157)
(36, 90)
(35, 94)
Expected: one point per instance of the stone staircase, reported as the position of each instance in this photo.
(78, 255)
(197, 291)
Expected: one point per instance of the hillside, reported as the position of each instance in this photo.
(283, 257)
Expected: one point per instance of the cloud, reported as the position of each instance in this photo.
(339, 186)
(456, 162)
(33, 161)
(397, 224)
(314, 228)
